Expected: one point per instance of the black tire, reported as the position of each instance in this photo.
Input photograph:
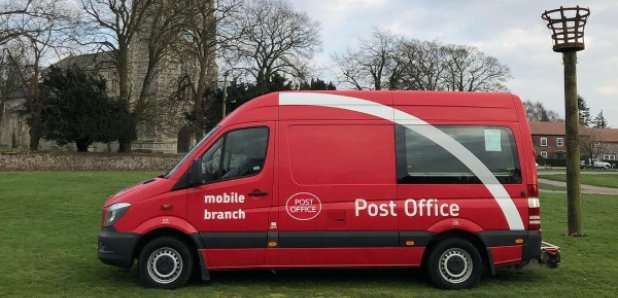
(454, 264)
(165, 263)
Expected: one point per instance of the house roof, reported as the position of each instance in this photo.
(93, 61)
(547, 128)
(609, 135)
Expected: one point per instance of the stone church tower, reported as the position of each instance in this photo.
(169, 97)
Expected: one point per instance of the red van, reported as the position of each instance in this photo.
(353, 179)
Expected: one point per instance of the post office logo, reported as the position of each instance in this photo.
(303, 206)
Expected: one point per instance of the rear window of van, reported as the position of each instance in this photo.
(421, 161)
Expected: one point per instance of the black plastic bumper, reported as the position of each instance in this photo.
(116, 248)
(532, 247)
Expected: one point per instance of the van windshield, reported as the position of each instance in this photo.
(190, 153)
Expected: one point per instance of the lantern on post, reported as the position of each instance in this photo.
(567, 28)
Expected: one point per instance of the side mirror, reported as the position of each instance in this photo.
(195, 173)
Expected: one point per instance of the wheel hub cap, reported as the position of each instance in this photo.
(164, 265)
(456, 265)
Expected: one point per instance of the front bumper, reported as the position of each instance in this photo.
(116, 248)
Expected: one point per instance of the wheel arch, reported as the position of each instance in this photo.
(192, 241)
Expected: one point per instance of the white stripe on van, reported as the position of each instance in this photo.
(421, 127)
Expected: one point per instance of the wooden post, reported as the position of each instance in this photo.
(572, 143)
(567, 27)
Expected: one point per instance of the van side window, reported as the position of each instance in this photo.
(239, 153)
(421, 161)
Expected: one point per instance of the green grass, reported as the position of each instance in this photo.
(544, 186)
(48, 243)
(543, 169)
(6, 149)
(606, 180)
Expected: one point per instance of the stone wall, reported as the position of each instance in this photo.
(74, 161)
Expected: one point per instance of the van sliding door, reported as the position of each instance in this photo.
(334, 175)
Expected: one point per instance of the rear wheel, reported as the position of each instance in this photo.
(165, 263)
(455, 264)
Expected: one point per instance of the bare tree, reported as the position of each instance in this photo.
(11, 27)
(39, 31)
(373, 65)
(422, 65)
(350, 71)
(27, 63)
(388, 61)
(161, 32)
(469, 69)
(590, 144)
(9, 82)
(276, 40)
(113, 26)
(209, 28)
(17, 16)
(536, 111)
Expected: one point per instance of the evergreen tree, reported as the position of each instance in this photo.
(77, 109)
(584, 111)
(599, 120)
(239, 93)
(317, 84)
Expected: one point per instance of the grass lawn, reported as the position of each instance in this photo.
(49, 232)
(606, 180)
(544, 186)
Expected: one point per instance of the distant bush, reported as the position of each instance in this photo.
(75, 161)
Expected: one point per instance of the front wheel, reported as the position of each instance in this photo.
(165, 263)
(455, 264)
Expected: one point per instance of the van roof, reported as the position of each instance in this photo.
(435, 99)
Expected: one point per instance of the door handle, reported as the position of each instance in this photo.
(258, 193)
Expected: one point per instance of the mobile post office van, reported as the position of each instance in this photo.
(348, 179)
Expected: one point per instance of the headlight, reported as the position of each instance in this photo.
(114, 212)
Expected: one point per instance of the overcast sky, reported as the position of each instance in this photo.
(510, 30)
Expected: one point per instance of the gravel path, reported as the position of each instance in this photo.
(554, 172)
(590, 189)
